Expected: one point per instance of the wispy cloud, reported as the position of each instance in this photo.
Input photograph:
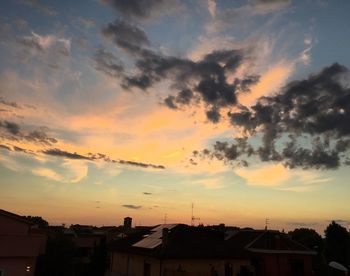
(13, 131)
(212, 7)
(279, 177)
(210, 183)
(143, 9)
(302, 224)
(43, 43)
(40, 6)
(8, 103)
(131, 206)
(66, 171)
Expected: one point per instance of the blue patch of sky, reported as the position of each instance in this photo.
(178, 32)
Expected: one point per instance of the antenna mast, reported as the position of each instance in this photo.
(193, 218)
(267, 222)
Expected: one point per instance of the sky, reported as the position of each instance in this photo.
(112, 108)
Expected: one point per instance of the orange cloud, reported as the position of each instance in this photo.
(270, 82)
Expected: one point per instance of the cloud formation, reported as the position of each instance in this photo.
(125, 34)
(305, 125)
(108, 63)
(302, 224)
(141, 9)
(13, 131)
(203, 81)
(65, 154)
(131, 206)
(8, 103)
(98, 156)
(43, 43)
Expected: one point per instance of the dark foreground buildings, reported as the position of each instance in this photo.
(177, 249)
(20, 245)
(164, 250)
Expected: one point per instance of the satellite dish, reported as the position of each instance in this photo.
(338, 266)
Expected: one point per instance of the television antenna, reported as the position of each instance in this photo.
(193, 218)
(267, 222)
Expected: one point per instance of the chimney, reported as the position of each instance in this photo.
(165, 237)
(127, 223)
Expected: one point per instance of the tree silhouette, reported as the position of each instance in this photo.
(308, 237)
(39, 221)
(311, 239)
(337, 244)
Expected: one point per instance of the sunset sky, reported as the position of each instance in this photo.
(114, 108)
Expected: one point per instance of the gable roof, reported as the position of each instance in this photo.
(15, 217)
(276, 243)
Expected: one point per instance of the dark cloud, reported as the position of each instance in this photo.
(8, 103)
(127, 36)
(139, 9)
(90, 157)
(13, 131)
(202, 81)
(16, 149)
(98, 156)
(19, 149)
(192, 81)
(65, 154)
(147, 193)
(40, 136)
(306, 125)
(138, 164)
(131, 206)
(108, 63)
(213, 115)
(11, 127)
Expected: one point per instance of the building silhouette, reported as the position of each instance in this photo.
(127, 223)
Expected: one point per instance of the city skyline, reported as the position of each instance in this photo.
(114, 108)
